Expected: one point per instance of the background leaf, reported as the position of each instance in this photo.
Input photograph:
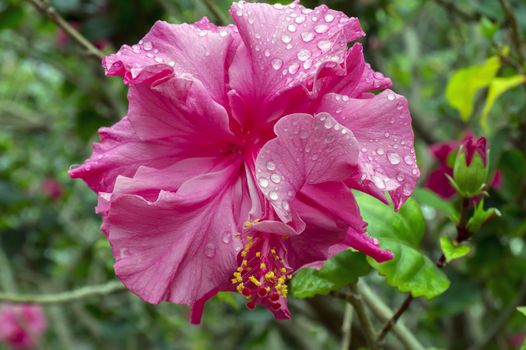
(497, 87)
(340, 271)
(465, 83)
(402, 232)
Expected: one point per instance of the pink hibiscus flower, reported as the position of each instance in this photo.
(21, 325)
(235, 163)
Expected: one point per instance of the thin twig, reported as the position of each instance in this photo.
(383, 313)
(463, 234)
(452, 8)
(53, 15)
(515, 30)
(392, 321)
(501, 321)
(216, 11)
(355, 299)
(64, 297)
(347, 327)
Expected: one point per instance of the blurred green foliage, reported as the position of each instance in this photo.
(53, 98)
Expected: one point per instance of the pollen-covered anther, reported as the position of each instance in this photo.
(262, 275)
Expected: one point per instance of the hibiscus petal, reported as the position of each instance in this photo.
(201, 50)
(284, 47)
(121, 152)
(307, 150)
(181, 109)
(382, 127)
(189, 250)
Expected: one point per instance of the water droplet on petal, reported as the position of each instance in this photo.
(306, 37)
(408, 160)
(273, 196)
(271, 166)
(391, 97)
(277, 63)
(400, 177)
(304, 55)
(293, 68)
(263, 182)
(286, 38)
(285, 205)
(147, 46)
(393, 157)
(300, 19)
(380, 151)
(329, 18)
(291, 28)
(227, 237)
(210, 250)
(406, 189)
(324, 45)
(322, 28)
(267, 53)
(275, 178)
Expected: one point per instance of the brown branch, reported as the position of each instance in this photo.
(392, 321)
(53, 15)
(515, 30)
(355, 299)
(463, 234)
(452, 8)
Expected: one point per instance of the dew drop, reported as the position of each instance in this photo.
(223, 33)
(273, 196)
(406, 189)
(271, 166)
(391, 97)
(400, 106)
(306, 37)
(291, 28)
(400, 177)
(328, 124)
(393, 157)
(286, 38)
(210, 250)
(263, 182)
(386, 135)
(380, 151)
(307, 64)
(293, 68)
(322, 28)
(275, 178)
(329, 18)
(285, 205)
(227, 237)
(408, 160)
(147, 46)
(324, 45)
(304, 55)
(267, 53)
(314, 157)
(299, 19)
(277, 63)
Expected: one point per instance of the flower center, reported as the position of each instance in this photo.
(262, 275)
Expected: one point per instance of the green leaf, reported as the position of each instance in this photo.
(428, 198)
(497, 87)
(452, 251)
(522, 310)
(340, 271)
(465, 83)
(402, 233)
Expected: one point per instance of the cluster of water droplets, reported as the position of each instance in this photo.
(226, 237)
(395, 150)
(304, 40)
(313, 143)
